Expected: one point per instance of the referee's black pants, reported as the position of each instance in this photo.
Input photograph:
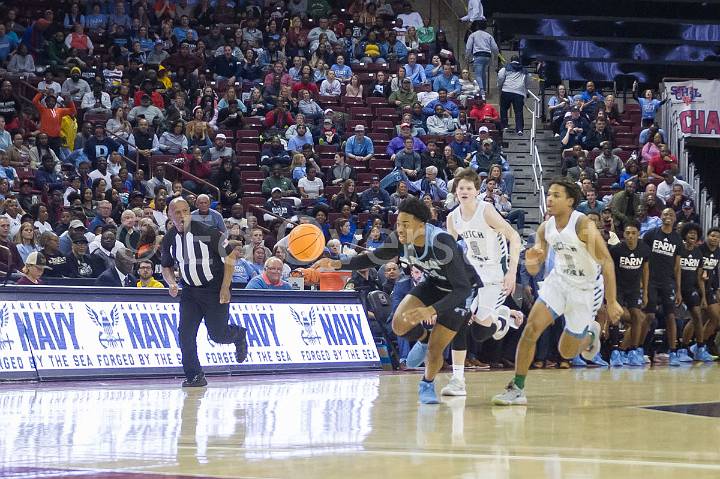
(196, 304)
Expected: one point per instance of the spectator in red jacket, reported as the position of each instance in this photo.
(279, 117)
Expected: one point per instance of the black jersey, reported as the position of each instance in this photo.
(629, 265)
(690, 261)
(664, 248)
(711, 259)
(441, 260)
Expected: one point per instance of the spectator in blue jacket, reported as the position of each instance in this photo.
(444, 101)
(448, 81)
(393, 49)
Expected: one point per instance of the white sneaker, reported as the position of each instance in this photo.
(594, 347)
(456, 387)
(513, 396)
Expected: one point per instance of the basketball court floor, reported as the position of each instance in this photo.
(580, 424)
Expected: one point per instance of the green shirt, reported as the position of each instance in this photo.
(283, 183)
(426, 34)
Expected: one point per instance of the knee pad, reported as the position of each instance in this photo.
(459, 342)
(415, 333)
(481, 333)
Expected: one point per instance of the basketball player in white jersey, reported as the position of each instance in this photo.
(574, 287)
(486, 234)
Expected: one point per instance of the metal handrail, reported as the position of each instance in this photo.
(534, 153)
(705, 206)
(184, 173)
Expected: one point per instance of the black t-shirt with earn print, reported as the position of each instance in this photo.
(711, 259)
(629, 265)
(664, 247)
(690, 261)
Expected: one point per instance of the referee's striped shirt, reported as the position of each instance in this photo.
(199, 254)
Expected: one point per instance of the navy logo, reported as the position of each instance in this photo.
(5, 341)
(308, 335)
(107, 336)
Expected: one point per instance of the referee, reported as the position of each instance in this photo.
(479, 49)
(206, 261)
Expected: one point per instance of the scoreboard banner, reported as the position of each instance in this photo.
(121, 332)
(695, 106)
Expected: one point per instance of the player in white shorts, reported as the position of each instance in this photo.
(571, 289)
(486, 235)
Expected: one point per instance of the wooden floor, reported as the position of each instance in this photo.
(580, 424)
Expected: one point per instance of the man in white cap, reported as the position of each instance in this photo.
(219, 152)
(359, 147)
(75, 227)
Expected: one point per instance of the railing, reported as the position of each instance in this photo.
(534, 153)
(197, 179)
(704, 205)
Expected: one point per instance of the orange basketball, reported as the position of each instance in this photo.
(306, 242)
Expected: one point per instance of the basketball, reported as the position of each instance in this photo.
(306, 242)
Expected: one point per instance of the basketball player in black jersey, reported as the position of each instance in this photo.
(691, 258)
(441, 299)
(631, 273)
(708, 287)
(664, 286)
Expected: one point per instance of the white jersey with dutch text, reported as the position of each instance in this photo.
(485, 249)
(573, 262)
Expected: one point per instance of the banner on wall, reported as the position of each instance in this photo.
(76, 337)
(15, 362)
(695, 106)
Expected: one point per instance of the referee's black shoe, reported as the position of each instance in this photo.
(197, 381)
(241, 348)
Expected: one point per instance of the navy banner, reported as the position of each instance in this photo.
(112, 333)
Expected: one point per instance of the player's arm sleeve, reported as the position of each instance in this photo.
(387, 251)
(447, 251)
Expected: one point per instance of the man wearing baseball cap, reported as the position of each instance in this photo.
(359, 147)
(35, 266)
(75, 227)
(398, 143)
(75, 86)
(405, 96)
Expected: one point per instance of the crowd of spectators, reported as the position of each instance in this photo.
(619, 185)
(109, 110)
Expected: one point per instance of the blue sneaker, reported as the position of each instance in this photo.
(624, 357)
(616, 359)
(577, 362)
(683, 356)
(599, 361)
(673, 359)
(703, 355)
(693, 349)
(416, 356)
(635, 358)
(426, 392)
(641, 353)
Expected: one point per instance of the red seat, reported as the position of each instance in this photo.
(351, 100)
(361, 113)
(229, 134)
(246, 162)
(327, 100)
(376, 100)
(365, 178)
(25, 173)
(351, 124)
(249, 201)
(326, 149)
(253, 122)
(247, 147)
(248, 135)
(252, 176)
(375, 136)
